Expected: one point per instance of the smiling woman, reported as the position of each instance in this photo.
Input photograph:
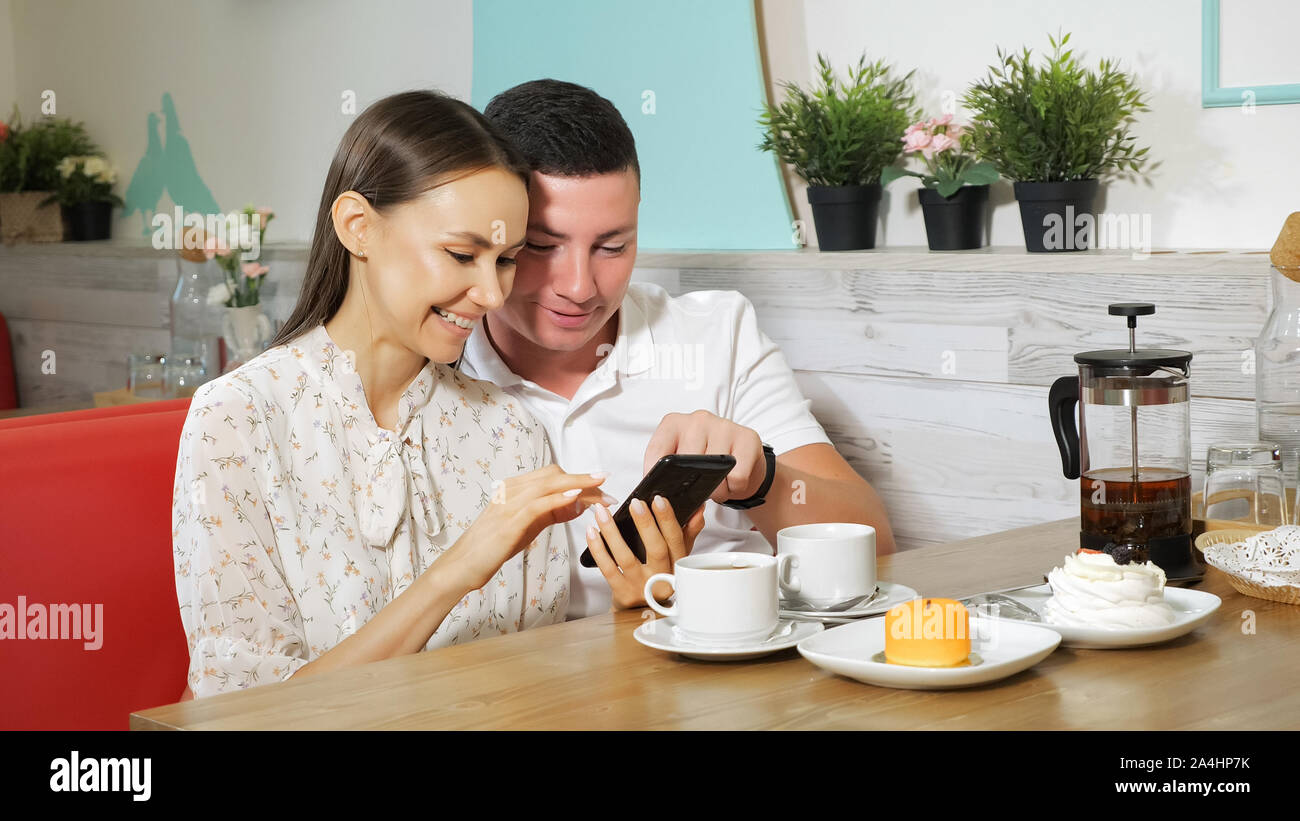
(346, 496)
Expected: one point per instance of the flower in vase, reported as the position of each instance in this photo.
(253, 270)
(213, 247)
(218, 295)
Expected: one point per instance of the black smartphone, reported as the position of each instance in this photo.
(685, 479)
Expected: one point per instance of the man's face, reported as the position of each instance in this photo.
(581, 244)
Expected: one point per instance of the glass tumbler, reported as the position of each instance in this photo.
(182, 375)
(1244, 483)
(144, 376)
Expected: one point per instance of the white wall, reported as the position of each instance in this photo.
(1226, 179)
(257, 85)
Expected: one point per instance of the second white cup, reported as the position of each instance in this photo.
(833, 561)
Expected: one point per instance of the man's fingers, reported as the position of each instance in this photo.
(662, 442)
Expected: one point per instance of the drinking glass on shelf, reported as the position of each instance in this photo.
(182, 375)
(1244, 483)
(144, 376)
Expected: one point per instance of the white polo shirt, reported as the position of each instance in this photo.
(703, 349)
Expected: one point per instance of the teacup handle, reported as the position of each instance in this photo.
(784, 564)
(650, 599)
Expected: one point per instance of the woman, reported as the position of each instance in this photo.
(346, 496)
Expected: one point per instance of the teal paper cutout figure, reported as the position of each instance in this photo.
(147, 182)
(183, 183)
(167, 166)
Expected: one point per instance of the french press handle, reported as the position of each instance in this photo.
(1061, 402)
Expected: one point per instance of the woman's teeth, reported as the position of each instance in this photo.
(456, 319)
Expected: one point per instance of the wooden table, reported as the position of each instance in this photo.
(591, 674)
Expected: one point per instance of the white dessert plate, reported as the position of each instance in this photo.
(999, 648)
(890, 595)
(1191, 609)
(659, 634)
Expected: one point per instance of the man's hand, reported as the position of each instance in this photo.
(665, 542)
(704, 432)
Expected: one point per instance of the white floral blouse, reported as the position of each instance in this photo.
(296, 518)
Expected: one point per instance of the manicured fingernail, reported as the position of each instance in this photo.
(592, 533)
(607, 499)
(661, 502)
(638, 506)
(602, 513)
(600, 474)
(571, 493)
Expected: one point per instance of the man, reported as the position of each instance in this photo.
(622, 373)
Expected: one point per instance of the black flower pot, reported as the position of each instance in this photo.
(88, 220)
(845, 215)
(955, 223)
(1052, 214)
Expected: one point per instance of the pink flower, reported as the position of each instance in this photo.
(941, 143)
(917, 141)
(265, 214)
(913, 128)
(253, 270)
(213, 247)
(944, 120)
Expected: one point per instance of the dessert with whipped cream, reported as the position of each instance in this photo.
(1092, 590)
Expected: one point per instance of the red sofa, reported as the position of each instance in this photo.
(85, 518)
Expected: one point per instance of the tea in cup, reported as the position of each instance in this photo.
(722, 598)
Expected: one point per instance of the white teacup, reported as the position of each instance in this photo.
(722, 598)
(832, 561)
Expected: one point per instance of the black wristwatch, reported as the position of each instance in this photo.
(759, 497)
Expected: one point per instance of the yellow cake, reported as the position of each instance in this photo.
(927, 633)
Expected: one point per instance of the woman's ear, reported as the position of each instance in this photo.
(353, 221)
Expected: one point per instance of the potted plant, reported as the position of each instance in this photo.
(86, 196)
(244, 327)
(954, 191)
(839, 137)
(1056, 130)
(29, 174)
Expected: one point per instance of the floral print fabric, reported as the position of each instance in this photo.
(296, 518)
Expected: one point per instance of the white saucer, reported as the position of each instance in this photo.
(999, 648)
(1191, 609)
(659, 634)
(890, 595)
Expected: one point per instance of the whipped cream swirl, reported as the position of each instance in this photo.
(1092, 591)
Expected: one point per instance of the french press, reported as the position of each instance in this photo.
(1131, 450)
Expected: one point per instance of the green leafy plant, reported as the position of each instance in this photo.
(85, 179)
(841, 132)
(1056, 122)
(948, 155)
(30, 154)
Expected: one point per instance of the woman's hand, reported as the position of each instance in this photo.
(521, 507)
(665, 542)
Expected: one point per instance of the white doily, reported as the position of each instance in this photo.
(1269, 559)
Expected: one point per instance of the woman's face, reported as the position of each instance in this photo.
(437, 264)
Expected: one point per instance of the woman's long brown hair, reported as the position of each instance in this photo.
(397, 149)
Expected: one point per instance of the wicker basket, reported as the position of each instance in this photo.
(1287, 595)
(24, 219)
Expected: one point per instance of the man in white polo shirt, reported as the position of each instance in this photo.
(622, 373)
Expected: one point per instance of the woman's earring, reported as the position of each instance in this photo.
(361, 254)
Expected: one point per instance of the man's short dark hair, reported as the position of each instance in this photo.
(564, 129)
